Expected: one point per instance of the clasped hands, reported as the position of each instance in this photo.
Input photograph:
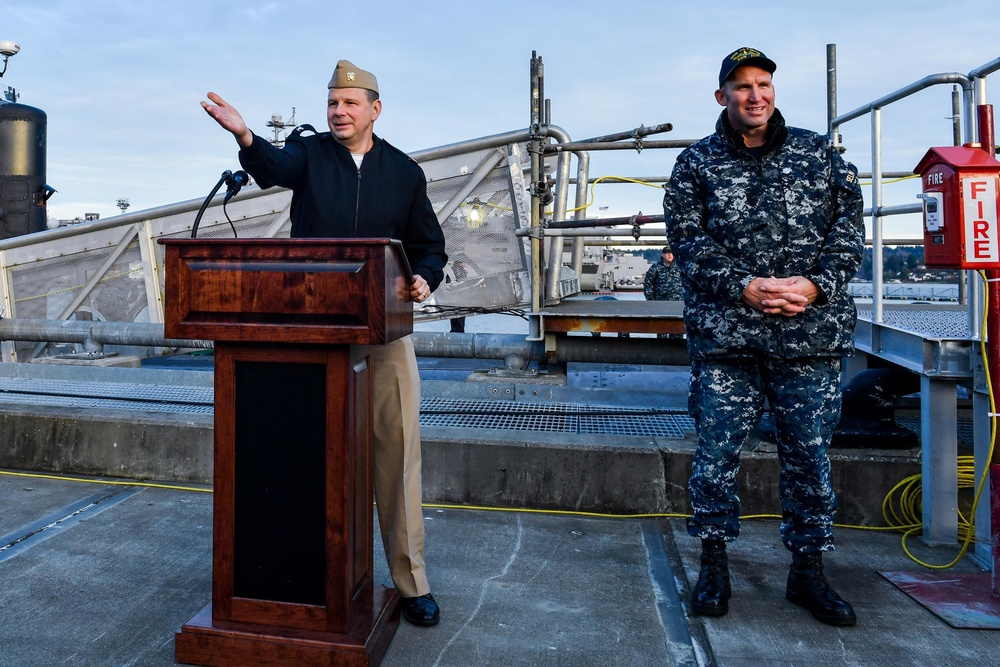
(780, 296)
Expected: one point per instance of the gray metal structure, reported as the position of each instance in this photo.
(942, 345)
(111, 270)
(106, 276)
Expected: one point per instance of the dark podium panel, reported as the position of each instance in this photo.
(292, 547)
(280, 485)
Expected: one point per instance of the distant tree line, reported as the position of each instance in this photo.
(902, 263)
(905, 264)
(651, 255)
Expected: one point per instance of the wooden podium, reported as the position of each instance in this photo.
(292, 528)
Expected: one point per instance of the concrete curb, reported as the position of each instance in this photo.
(523, 469)
(161, 446)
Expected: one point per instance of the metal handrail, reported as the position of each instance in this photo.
(877, 211)
(904, 92)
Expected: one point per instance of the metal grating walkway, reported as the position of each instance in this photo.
(931, 323)
(106, 395)
(434, 412)
(495, 415)
(554, 417)
(965, 428)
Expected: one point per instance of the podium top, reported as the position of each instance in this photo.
(306, 242)
(316, 291)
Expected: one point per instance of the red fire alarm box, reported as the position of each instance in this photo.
(961, 207)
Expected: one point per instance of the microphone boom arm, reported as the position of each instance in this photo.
(233, 182)
(201, 211)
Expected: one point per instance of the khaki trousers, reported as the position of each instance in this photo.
(396, 431)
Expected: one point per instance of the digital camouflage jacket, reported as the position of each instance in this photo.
(662, 282)
(731, 217)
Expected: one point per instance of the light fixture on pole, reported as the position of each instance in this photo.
(8, 49)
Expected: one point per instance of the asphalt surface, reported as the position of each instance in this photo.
(99, 574)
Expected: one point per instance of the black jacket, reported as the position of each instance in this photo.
(387, 198)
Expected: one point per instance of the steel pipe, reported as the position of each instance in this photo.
(89, 332)
(616, 146)
(588, 349)
(927, 82)
(426, 344)
(641, 131)
(602, 222)
(598, 231)
(475, 346)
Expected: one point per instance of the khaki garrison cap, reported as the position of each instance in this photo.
(347, 75)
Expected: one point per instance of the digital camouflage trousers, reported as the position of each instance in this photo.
(727, 400)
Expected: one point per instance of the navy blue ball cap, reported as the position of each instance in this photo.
(744, 56)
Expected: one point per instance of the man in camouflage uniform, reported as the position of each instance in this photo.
(766, 224)
(663, 283)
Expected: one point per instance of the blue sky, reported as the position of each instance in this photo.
(121, 81)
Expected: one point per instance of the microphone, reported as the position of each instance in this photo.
(233, 184)
(234, 181)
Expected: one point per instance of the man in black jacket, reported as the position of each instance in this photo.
(350, 183)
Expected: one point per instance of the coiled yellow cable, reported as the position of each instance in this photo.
(906, 513)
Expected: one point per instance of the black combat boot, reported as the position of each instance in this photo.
(808, 587)
(710, 596)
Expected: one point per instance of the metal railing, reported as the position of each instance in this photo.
(942, 359)
(100, 272)
(973, 88)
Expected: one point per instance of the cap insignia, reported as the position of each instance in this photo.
(745, 53)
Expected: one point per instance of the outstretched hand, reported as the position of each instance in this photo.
(780, 296)
(229, 118)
